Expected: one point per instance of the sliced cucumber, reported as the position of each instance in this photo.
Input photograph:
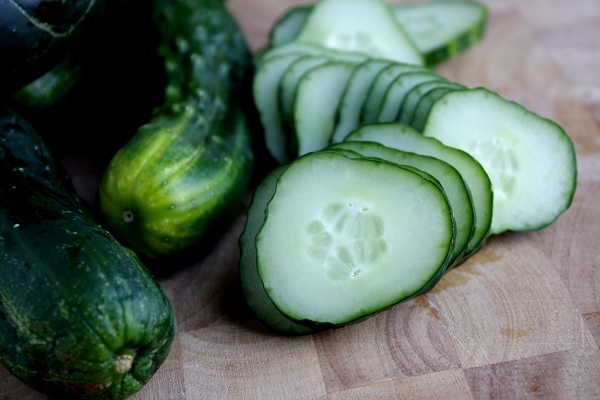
(405, 138)
(423, 107)
(252, 287)
(410, 101)
(355, 95)
(450, 179)
(530, 160)
(376, 95)
(266, 97)
(345, 238)
(365, 26)
(398, 89)
(316, 103)
(443, 29)
(440, 29)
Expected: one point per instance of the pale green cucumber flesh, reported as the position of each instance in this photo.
(449, 178)
(397, 91)
(423, 107)
(405, 138)
(365, 26)
(354, 96)
(412, 98)
(376, 95)
(316, 103)
(345, 238)
(530, 160)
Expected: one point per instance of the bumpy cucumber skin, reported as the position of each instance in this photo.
(80, 315)
(187, 171)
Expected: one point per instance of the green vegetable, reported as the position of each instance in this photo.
(80, 315)
(186, 172)
(440, 30)
(344, 238)
(530, 160)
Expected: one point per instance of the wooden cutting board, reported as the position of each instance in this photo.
(519, 320)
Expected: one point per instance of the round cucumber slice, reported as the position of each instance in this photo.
(530, 160)
(344, 238)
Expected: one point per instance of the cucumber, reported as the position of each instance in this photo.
(344, 238)
(449, 178)
(403, 137)
(316, 103)
(364, 26)
(80, 315)
(252, 287)
(424, 104)
(397, 91)
(440, 29)
(416, 93)
(185, 174)
(530, 160)
(377, 92)
(354, 96)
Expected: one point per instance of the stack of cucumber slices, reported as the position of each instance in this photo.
(390, 175)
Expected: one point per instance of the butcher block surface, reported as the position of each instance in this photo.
(519, 320)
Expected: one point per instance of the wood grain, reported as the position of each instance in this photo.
(519, 320)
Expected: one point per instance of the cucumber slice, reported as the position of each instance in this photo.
(370, 109)
(354, 96)
(406, 112)
(397, 91)
(316, 103)
(252, 286)
(440, 29)
(423, 107)
(443, 29)
(405, 138)
(365, 26)
(265, 91)
(345, 238)
(531, 160)
(449, 178)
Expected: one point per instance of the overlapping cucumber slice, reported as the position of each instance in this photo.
(530, 160)
(342, 238)
(440, 30)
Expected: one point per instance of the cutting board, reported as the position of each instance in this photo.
(519, 320)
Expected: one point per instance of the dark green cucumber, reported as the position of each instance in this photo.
(80, 315)
(186, 172)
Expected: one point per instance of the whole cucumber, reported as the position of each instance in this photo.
(80, 315)
(185, 174)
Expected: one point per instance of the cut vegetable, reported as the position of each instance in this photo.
(364, 26)
(345, 238)
(252, 287)
(450, 179)
(414, 95)
(405, 138)
(316, 103)
(530, 160)
(440, 29)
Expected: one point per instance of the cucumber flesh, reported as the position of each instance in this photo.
(449, 178)
(440, 29)
(316, 103)
(345, 238)
(252, 287)
(354, 96)
(410, 101)
(530, 160)
(423, 107)
(405, 138)
(265, 91)
(364, 26)
(378, 90)
(398, 90)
